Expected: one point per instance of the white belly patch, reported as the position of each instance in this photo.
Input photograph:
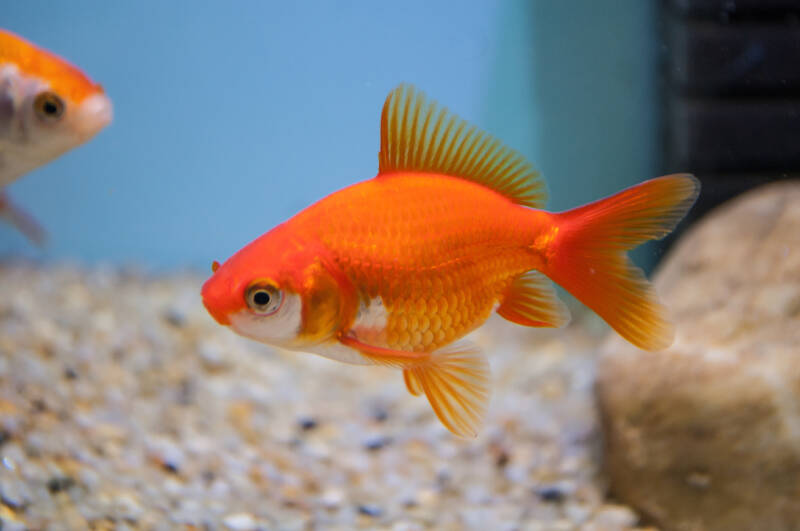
(370, 323)
(369, 327)
(336, 351)
(282, 328)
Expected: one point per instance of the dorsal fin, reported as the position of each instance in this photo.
(418, 135)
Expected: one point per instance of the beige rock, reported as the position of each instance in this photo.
(706, 434)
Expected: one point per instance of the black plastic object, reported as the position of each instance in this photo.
(731, 94)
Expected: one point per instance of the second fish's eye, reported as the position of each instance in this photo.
(48, 106)
(263, 299)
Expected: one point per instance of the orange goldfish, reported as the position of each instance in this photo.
(396, 269)
(47, 107)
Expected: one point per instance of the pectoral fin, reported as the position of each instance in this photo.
(383, 355)
(455, 380)
(23, 221)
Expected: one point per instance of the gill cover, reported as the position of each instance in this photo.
(329, 302)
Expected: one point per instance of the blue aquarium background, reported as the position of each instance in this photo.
(231, 117)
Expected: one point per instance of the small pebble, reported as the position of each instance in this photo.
(502, 458)
(307, 423)
(59, 484)
(615, 517)
(576, 512)
(212, 357)
(169, 455)
(428, 497)
(406, 526)
(185, 392)
(14, 495)
(380, 414)
(698, 480)
(128, 508)
(376, 443)
(332, 498)
(551, 494)
(240, 522)
(175, 318)
(372, 511)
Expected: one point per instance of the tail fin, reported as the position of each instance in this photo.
(589, 260)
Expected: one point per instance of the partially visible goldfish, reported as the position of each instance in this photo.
(394, 270)
(47, 107)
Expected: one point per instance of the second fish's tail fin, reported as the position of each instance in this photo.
(589, 259)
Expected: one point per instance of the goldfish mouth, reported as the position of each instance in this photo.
(220, 317)
(95, 113)
(213, 298)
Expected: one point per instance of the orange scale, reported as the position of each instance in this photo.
(405, 340)
(434, 323)
(447, 321)
(416, 339)
(427, 338)
(424, 323)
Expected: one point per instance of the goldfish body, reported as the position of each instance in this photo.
(394, 270)
(47, 107)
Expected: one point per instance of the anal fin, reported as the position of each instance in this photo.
(412, 382)
(455, 379)
(531, 300)
(456, 382)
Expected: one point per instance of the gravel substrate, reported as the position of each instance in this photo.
(124, 406)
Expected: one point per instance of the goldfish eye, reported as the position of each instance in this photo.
(214, 266)
(263, 299)
(48, 106)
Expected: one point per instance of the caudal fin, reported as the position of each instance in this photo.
(589, 260)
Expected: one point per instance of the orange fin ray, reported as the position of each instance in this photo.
(455, 379)
(456, 382)
(531, 300)
(589, 259)
(23, 221)
(643, 212)
(419, 135)
(412, 383)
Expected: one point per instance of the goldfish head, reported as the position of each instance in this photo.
(279, 291)
(47, 106)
